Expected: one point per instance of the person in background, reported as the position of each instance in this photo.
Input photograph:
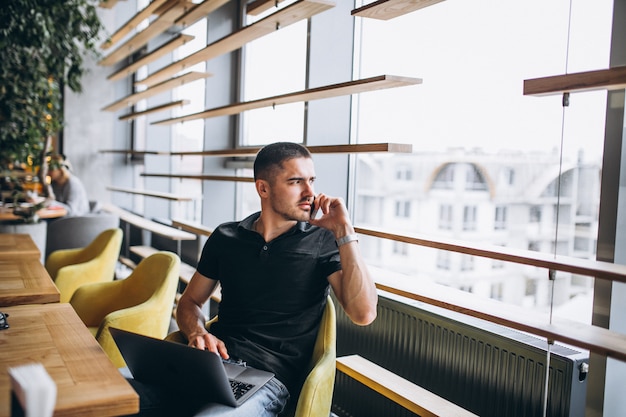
(275, 268)
(69, 191)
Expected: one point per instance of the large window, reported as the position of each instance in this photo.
(479, 145)
(272, 65)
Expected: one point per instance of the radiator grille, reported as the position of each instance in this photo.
(487, 369)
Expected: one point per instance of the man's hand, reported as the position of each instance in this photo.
(335, 216)
(206, 341)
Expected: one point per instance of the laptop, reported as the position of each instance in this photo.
(186, 369)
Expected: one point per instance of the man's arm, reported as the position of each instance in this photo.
(353, 286)
(190, 318)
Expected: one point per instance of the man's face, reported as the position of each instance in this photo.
(291, 192)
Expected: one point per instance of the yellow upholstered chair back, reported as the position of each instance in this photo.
(317, 392)
(141, 303)
(71, 268)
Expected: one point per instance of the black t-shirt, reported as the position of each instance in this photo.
(273, 294)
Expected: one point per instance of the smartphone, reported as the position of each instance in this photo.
(313, 209)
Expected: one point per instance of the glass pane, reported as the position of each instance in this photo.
(489, 165)
(274, 65)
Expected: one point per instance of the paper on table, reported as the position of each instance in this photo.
(35, 390)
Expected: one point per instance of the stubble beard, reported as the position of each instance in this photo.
(291, 213)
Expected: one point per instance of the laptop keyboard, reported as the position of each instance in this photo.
(239, 388)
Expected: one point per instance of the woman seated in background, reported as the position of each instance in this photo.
(69, 191)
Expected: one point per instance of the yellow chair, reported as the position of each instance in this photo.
(317, 392)
(141, 303)
(71, 268)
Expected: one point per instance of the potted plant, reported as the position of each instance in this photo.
(42, 45)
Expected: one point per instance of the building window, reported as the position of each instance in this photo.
(474, 179)
(404, 173)
(443, 260)
(535, 214)
(445, 178)
(500, 220)
(467, 263)
(400, 248)
(469, 218)
(445, 217)
(403, 209)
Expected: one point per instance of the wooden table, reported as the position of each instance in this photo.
(18, 246)
(6, 214)
(52, 334)
(26, 281)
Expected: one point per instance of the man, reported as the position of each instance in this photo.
(275, 268)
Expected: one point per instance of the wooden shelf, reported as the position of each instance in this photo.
(158, 26)
(199, 11)
(131, 152)
(329, 91)
(202, 177)
(608, 79)
(132, 23)
(167, 196)
(156, 109)
(597, 269)
(192, 227)
(256, 7)
(389, 9)
(253, 150)
(159, 88)
(166, 48)
(302, 9)
(360, 148)
(107, 4)
(149, 225)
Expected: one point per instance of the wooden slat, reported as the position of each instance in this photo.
(132, 23)
(597, 269)
(389, 9)
(329, 91)
(302, 9)
(107, 4)
(256, 7)
(401, 391)
(593, 338)
(156, 194)
(325, 149)
(158, 26)
(157, 89)
(156, 109)
(607, 79)
(185, 273)
(143, 223)
(202, 177)
(132, 152)
(199, 11)
(192, 227)
(166, 48)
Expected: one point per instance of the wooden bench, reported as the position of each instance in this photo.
(399, 390)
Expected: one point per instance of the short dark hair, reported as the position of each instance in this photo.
(272, 156)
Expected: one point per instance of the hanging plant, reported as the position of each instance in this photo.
(43, 44)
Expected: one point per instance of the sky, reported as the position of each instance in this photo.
(473, 57)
